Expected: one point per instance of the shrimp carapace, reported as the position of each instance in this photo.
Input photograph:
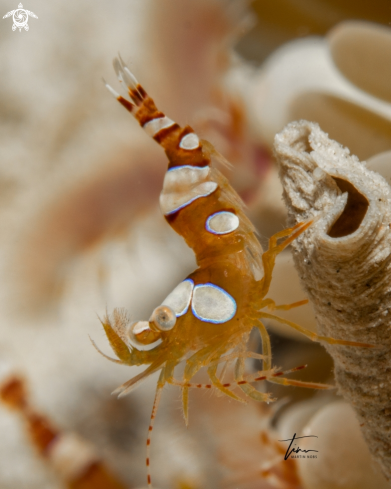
(207, 319)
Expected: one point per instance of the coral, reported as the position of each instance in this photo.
(344, 264)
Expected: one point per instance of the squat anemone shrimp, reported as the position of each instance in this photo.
(207, 319)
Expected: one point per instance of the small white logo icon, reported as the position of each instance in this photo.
(20, 17)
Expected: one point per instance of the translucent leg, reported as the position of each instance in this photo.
(267, 363)
(248, 389)
(293, 233)
(269, 257)
(185, 403)
(198, 360)
(247, 379)
(169, 378)
(193, 365)
(235, 355)
(275, 378)
(216, 382)
(209, 356)
(313, 336)
(156, 402)
(224, 370)
(169, 371)
(266, 346)
(299, 383)
(270, 304)
(134, 382)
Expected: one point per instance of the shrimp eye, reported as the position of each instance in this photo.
(140, 333)
(163, 318)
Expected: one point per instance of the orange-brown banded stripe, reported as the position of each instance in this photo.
(128, 105)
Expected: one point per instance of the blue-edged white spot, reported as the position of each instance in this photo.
(180, 176)
(212, 304)
(171, 203)
(183, 185)
(179, 299)
(223, 222)
(190, 141)
(154, 126)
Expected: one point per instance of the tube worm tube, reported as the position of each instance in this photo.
(344, 262)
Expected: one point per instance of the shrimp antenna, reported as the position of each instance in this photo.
(155, 407)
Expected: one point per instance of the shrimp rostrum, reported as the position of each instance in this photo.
(207, 319)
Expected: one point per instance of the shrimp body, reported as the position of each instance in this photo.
(208, 317)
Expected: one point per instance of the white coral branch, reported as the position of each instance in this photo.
(344, 261)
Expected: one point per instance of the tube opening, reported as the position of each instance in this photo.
(353, 214)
